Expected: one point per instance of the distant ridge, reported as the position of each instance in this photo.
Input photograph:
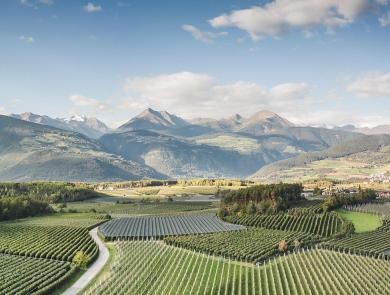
(31, 151)
(361, 144)
(90, 127)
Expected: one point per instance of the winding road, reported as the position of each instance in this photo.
(94, 269)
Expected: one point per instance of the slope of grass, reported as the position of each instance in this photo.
(363, 222)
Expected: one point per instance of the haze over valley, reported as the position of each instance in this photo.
(158, 144)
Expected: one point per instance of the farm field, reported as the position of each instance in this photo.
(253, 245)
(381, 208)
(160, 226)
(374, 243)
(324, 225)
(26, 275)
(38, 252)
(153, 208)
(164, 191)
(362, 222)
(149, 267)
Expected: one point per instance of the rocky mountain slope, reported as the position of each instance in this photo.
(30, 151)
(156, 144)
(90, 127)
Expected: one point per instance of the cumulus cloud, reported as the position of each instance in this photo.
(374, 84)
(27, 39)
(90, 7)
(193, 95)
(2, 110)
(279, 16)
(83, 101)
(385, 20)
(199, 35)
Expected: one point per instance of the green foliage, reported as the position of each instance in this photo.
(153, 268)
(80, 260)
(50, 237)
(338, 200)
(250, 208)
(13, 208)
(252, 245)
(375, 243)
(324, 225)
(362, 222)
(26, 275)
(274, 197)
(51, 192)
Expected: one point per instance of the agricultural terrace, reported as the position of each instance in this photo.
(149, 267)
(254, 244)
(26, 275)
(362, 222)
(324, 225)
(160, 226)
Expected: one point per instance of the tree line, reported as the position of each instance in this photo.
(338, 200)
(269, 198)
(20, 207)
(50, 192)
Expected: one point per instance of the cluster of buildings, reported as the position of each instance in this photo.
(383, 177)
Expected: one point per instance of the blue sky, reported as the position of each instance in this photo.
(314, 62)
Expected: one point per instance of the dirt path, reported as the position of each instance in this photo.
(93, 270)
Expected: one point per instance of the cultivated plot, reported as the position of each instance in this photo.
(154, 268)
(160, 226)
(26, 275)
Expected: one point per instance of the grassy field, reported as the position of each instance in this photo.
(363, 222)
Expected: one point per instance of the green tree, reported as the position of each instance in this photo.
(250, 208)
(80, 260)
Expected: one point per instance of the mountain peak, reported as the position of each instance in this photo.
(264, 114)
(152, 119)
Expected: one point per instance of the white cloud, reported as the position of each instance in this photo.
(90, 7)
(335, 117)
(192, 95)
(83, 101)
(374, 84)
(279, 16)
(385, 20)
(34, 4)
(27, 39)
(2, 110)
(199, 35)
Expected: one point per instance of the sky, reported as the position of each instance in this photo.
(320, 63)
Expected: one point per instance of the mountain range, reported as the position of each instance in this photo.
(91, 127)
(155, 144)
